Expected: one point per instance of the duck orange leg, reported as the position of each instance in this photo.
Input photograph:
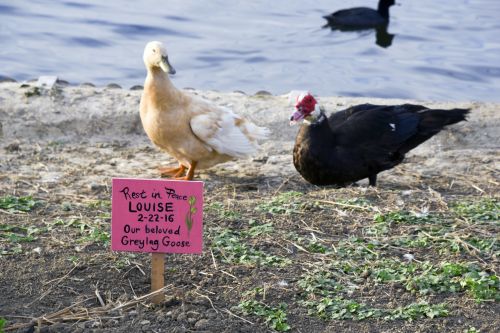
(190, 173)
(172, 172)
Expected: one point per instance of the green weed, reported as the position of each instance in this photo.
(223, 212)
(34, 91)
(425, 278)
(357, 248)
(320, 282)
(99, 204)
(486, 209)
(340, 308)
(2, 324)
(97, 233)
(17, 204)
(405, 217)
(275, 317)
(17, 234)
(124, 260)
(231, 247)
(257, 229)
(284, 203)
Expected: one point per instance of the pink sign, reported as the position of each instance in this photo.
(163, 216)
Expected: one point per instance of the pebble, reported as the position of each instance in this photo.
(137, 87)
(97, 187)
(87, 84)
(63, 83)
(182, 316)
(263, 93)
(211, 314)
(6, 79)
(113, 86)
(112, 323)
(202, 324)
(14, 146)
(145, 322)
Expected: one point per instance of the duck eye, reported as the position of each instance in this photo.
(154, 51)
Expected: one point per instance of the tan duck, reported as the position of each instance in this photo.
(197, 133)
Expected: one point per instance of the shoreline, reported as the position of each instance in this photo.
(87, 117)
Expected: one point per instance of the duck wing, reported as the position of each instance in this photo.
(223, 131)
(377, 130)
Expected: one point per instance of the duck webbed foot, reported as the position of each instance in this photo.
(190, 172)
(172, 172)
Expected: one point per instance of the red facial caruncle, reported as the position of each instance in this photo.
(305, 107)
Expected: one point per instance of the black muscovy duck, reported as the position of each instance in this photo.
(360, 17)
(361, 141)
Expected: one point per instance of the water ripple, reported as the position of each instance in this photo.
(135, 30)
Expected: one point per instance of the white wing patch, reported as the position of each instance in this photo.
(220, 131)
(393, 127)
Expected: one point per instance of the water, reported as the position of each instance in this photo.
(441, 50)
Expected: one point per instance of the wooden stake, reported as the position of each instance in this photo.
(157, 275)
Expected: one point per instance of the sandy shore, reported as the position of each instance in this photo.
(99, 118)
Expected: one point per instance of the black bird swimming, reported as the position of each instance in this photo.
(360, 17)
(363, 140)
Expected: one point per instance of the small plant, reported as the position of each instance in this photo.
(124, 260)
(222, 212)
(418, 310)
(74, 260)
(405, 217)
(284, 203)
(320, 282)
(2, 324)
(356, 248)
(230, 246)
(90, 232)
(35, 91)
(15, 249)
(17, 204)
(275, 317)
(486, 209)
(340, 308)
(257, 230)
(452, 277)
(99, 204)
(15, 234)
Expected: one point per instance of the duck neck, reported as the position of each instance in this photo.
(159, 86)
(315, 118)
(383, 8)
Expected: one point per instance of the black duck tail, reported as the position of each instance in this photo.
(441, 118)
(432, 122)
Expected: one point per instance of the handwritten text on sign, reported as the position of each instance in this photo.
(157, 216)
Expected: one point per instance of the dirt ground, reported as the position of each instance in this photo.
(279, 253)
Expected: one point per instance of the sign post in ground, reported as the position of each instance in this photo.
(157, 216)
